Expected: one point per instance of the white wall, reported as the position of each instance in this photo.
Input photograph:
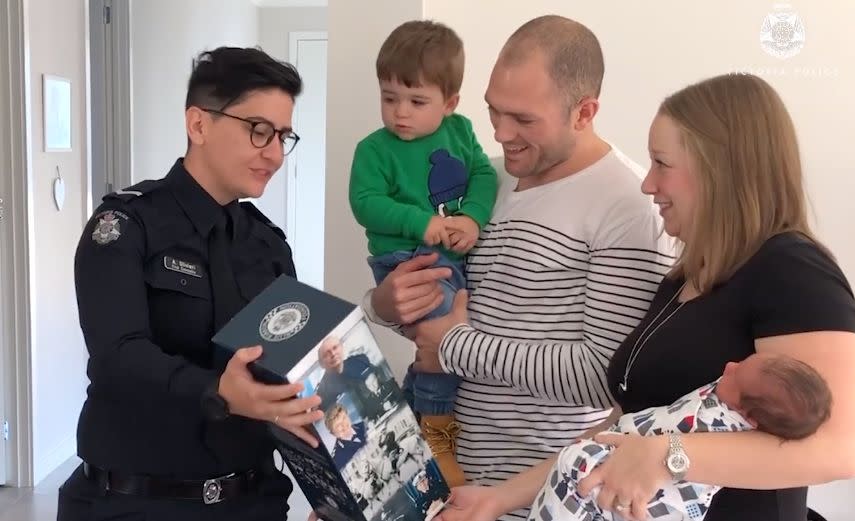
(57, 41)
(353, 111)
(275, 24)
(165, 38)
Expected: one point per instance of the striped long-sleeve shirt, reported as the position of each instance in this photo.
(562, 273)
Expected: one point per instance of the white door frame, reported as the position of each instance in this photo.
(109, 97)
(15, 185)
(292, 159)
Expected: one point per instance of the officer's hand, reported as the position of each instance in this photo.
(273, 403)
(410, 291)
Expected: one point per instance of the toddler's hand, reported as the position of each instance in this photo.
(463, 233)
(436, 232)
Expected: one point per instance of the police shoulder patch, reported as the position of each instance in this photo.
(109, 226)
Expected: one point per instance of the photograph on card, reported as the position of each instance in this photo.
(370, 432)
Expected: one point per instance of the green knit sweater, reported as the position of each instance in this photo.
(396, 186)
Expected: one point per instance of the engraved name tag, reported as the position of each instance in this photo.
(187, 268)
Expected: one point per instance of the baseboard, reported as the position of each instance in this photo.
(60, 453)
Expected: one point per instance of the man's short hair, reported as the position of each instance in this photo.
(573, 54)
(423, 51)
(226, 75)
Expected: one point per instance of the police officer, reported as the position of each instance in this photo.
(166, 432)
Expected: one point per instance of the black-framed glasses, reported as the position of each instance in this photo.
(261, 132)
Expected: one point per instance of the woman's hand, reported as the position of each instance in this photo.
(631, 475)
(274, 403)
(471, 503)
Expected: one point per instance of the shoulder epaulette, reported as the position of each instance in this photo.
(257, 214)
(137, 190)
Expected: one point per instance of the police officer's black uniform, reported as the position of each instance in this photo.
(148, 303)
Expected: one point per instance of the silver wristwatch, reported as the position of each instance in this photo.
(677, 461)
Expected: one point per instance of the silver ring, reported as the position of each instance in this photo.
(276, 419)
(620, 507)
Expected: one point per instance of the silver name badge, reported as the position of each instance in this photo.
(181, 266)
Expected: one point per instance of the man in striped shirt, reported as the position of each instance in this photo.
(565, 269)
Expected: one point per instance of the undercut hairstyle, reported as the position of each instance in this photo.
(227, 75)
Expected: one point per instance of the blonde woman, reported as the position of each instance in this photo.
(726, 174)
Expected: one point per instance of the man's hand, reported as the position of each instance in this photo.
(462, 233)
(428, 334)
(436, 232)
(410, 291)
(274, 403)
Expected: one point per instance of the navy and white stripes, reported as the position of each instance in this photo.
(558, 278)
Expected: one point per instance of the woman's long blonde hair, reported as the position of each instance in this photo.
(745, 155)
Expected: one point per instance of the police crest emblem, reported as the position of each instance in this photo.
(108, 228)
(284, 321)
(782, 34)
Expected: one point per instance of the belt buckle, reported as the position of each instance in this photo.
(212, 489)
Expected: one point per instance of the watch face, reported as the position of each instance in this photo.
(678, 463)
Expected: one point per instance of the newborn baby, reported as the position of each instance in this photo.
(775, 394)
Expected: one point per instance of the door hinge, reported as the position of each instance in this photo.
(109, 188)
(6, 430)
(107, 15)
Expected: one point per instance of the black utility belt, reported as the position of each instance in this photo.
(208, 491)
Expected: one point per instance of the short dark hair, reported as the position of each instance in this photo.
(423, 51)
(226, 75)
(801, 406)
